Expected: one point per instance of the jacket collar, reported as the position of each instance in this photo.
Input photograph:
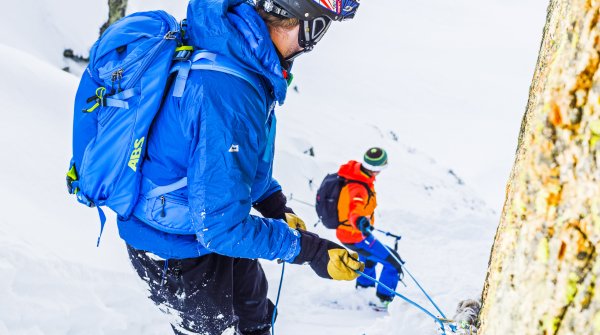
(234, 29)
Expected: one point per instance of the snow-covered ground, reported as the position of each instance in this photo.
(441, 85)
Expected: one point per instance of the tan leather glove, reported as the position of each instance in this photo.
(328, 259)
(294, 221)
(343, 264)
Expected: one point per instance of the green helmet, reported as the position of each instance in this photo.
(375, 159)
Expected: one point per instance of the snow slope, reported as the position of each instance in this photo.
(55, 281)
(449, 77)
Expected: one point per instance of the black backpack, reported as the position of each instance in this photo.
(328, 196)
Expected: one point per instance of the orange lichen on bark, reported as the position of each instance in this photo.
(561, 251)
(554, 116)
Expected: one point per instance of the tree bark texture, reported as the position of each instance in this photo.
(544, 266)
(116, 10)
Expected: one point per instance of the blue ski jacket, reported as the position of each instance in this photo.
(220, 135)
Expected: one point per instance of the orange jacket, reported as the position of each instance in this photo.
(355, 202)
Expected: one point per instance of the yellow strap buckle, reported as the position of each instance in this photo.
(99, 97)
(183, 52)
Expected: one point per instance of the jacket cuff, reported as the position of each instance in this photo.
(309, 246)
(273, 206)
(294, 248)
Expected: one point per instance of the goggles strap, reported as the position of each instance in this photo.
(270, 7)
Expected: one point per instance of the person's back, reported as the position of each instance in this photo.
(209, 160)
(195, 136)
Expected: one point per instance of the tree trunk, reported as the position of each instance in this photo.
(116, 10)
(544, 265)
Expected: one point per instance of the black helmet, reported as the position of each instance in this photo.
(315, 17)
(306, 10)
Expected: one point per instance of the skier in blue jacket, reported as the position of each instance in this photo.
(197, 246)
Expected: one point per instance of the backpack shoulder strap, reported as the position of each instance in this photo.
(158, 190)
(205, 60)
(199, 60)
(365, 185)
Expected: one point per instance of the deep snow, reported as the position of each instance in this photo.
(420, 81)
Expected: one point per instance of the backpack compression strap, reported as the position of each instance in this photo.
(117, 100)
(181, 183)
(365, 185)
(205, 60)
(200, 60)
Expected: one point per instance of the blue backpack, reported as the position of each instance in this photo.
(131, 66)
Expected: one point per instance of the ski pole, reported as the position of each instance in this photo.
(301, 201)
(387, 233)
(304, 203)
(396, 237)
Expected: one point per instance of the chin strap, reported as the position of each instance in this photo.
(293, 56)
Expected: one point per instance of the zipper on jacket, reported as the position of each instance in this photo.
(162, 202)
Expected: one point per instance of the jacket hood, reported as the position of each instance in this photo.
(351, 170)
(234, 29)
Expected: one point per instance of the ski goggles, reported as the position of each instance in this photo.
(310, 34)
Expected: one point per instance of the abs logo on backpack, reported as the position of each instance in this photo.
(118, 97)
(135, 154)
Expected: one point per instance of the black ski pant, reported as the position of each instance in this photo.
(209, 294)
